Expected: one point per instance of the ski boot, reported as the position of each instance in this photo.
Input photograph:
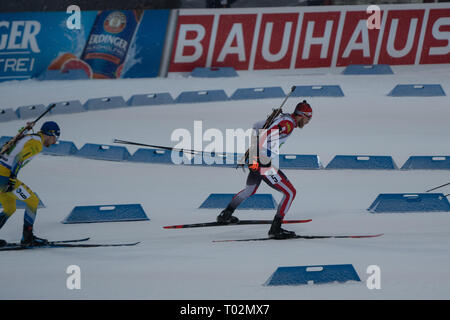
(30, 240)
(276, 232)
(226, 217)
(3, 218)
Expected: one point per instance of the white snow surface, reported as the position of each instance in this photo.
(413, 254)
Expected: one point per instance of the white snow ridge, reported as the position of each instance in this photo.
(412, 256)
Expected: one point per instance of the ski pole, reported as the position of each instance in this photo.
(164, 148)
(22, 131)
(446, 184)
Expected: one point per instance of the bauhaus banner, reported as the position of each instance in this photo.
(311, 37)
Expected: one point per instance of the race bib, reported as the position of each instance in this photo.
(21, 193)
(272, 175)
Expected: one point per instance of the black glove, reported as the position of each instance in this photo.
(11, 183)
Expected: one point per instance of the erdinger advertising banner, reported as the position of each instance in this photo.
(104, 45)
(30, 41)
(311, 37)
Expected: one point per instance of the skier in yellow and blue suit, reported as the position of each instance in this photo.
(12, 188)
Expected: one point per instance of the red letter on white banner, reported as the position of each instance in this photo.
(275, 42)
(191, 43)
(233, 41)
(317, 39)
(358, 43)
(436, 45)
(401, 37)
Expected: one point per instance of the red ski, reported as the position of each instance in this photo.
(241, 222)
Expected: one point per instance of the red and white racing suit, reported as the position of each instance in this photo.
(280, 129)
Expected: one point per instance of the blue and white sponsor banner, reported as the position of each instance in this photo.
(30, 41)
(105, 44)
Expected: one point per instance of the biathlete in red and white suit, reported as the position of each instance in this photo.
(262, 169)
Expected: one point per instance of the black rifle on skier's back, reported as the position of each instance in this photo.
(275, 113)
(22, 132)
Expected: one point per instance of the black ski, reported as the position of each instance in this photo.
(3, 243)
(308, 237)
(15, 247)
(74, 240)
(241, 222)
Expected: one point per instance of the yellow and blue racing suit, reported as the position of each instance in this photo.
(10, 164)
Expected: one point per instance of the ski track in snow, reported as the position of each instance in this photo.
(185, 264)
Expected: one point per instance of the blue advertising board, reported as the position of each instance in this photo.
(106, 44)
(144, 57)
(30, 41)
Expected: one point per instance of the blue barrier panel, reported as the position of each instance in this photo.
(213, 72)
(189, 159)
(357, 69)
(427, 163)
(75, 74)
(256, 201)
(407, 202)
(152, 156)
(417, 90)
(32, 111)
(7, 115)
(150, 99)
(105, 103)
(362, 162)
(202, 96)
(4, 139)
(296, 161)
(61, 148)
(66, 107)
(220, 159)
(106, 213)
(301, 275)
(103, 152)
(165, 157)
(208, 159)
(258, 93)
(318, 91)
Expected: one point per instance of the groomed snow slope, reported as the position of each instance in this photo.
(185, 264)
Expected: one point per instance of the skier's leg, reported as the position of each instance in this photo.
(8, 202)
(25, 194)
(278, 181)
(252, 184)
